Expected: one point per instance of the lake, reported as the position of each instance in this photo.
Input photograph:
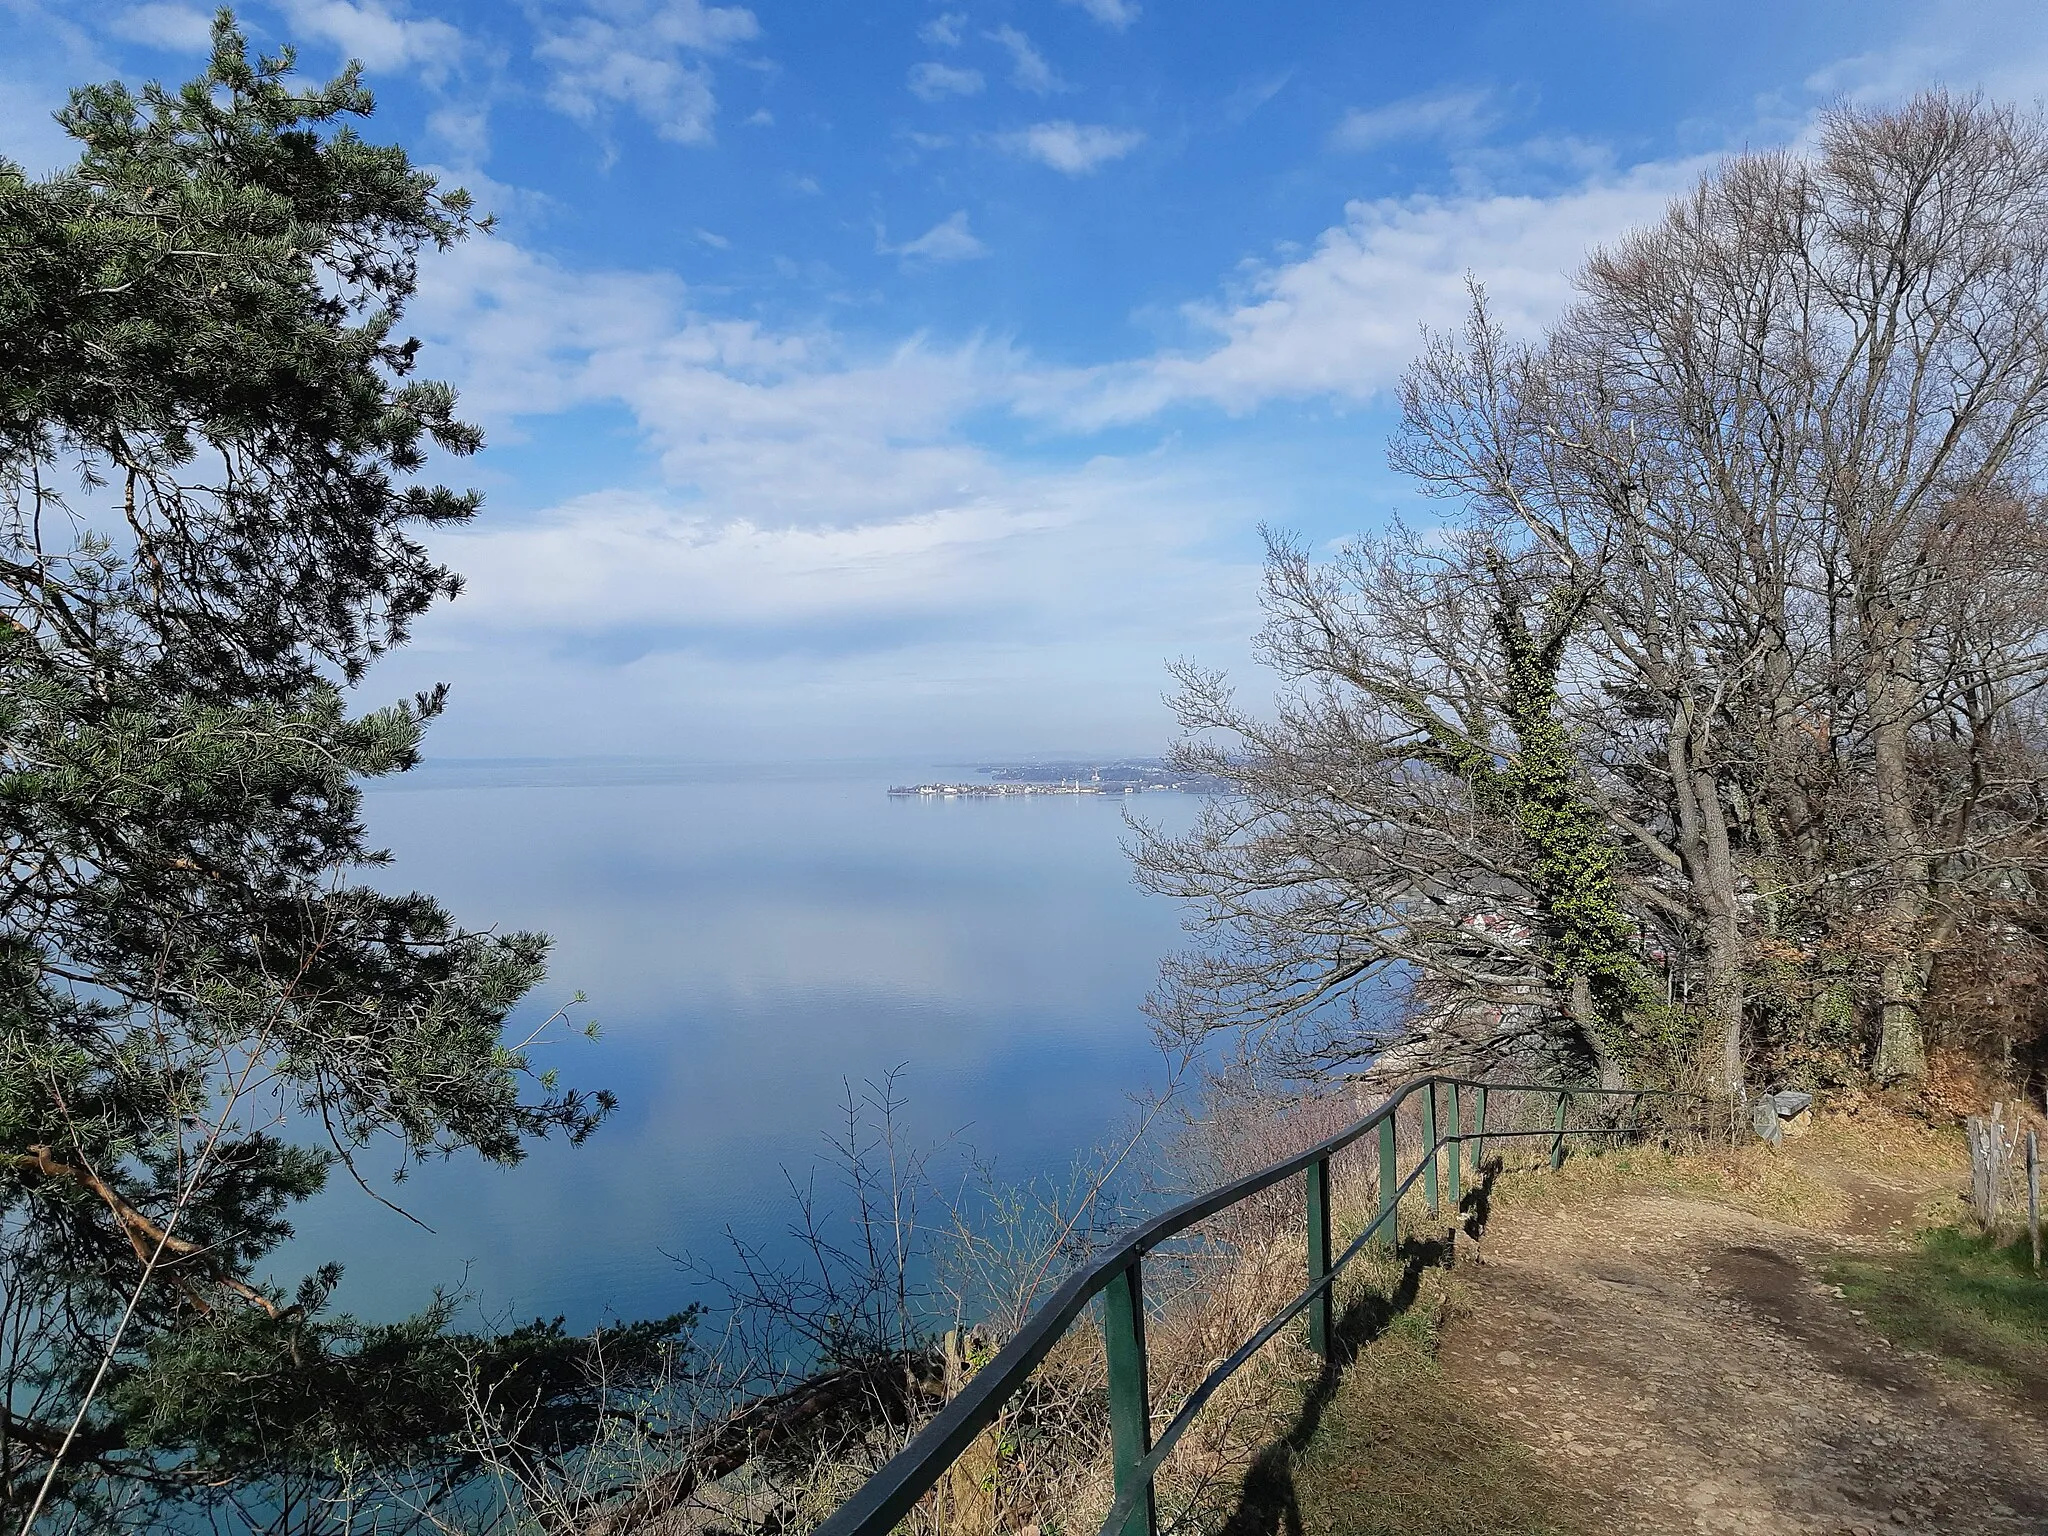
(752, 940)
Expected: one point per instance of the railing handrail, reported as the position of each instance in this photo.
(885, 1498)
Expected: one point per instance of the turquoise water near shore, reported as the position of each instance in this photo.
(752, 941)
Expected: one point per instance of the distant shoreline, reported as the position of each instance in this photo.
(1122, 776)
(1127, 776)
(1004, 791)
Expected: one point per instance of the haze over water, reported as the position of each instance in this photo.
(751, 940)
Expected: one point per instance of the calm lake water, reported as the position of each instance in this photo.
(752, 940)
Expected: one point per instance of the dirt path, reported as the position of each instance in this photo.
(1687, 1363)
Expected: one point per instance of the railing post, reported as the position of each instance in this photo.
(1322, 1312)
(1130, 1406)
(1451, 1163)
(1557, 1140)
(1429, 1150)
(1390, 1181)
(2034, 1194)
(1478, 1129)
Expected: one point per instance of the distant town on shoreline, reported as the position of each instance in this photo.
(1127, 776)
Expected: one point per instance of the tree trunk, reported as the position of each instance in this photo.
(1725, 1000)
(1901, 1050)
(1588, 1020)
(1704, 849)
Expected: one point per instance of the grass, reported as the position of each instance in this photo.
(1390, 1448)
(1975, 1302)
(1400, 1452)
(1792, 1185)
(1881, 1141)
(1752, 1178)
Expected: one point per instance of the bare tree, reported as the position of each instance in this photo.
(1782, 463)
(1413, 817)
(1833, 367)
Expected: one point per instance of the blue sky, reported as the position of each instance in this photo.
(911, 378)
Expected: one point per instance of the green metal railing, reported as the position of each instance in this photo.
(1116, 1274)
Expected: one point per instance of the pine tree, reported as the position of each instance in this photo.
(211, 442)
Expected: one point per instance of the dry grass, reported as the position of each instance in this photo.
(1386, 1445)
(1400, 1451)
(1866, 1132)
(1792, 1184)
(1389, 1447)
(1753, 1178)
(1237, 1271)
(1045, 1466)
(1393, 1448)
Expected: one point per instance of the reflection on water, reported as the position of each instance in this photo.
(751, 940)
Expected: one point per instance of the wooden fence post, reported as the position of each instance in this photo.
(2034, 1194)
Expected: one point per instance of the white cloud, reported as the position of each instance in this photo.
(817, 557)
(1028, 609)
(465, 130)
(826, 560)
(1345, 319)
(935, 82)
(787, 426)
(29, 135)
(642, 56)
(943, 31)
(1453, 116)
(782, 424)
(632, 559)
(1075, 148)
(816, 553)
(1028, 69)
(517, 332)
(44, 51)
(948, 240)
(383, 36)
(176, 28)
(1996, 46)
(1038, 616)
(1114, 14)
(1241, 103)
